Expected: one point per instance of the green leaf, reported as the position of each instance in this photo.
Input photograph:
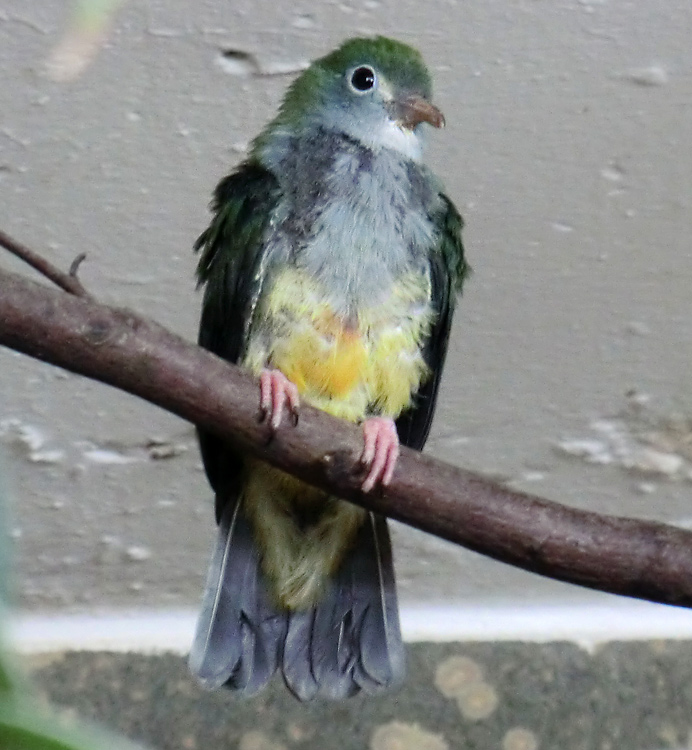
(24, 726)
(8, 675)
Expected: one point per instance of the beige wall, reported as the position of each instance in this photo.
(569, 151)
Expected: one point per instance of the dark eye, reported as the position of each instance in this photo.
(363, 78)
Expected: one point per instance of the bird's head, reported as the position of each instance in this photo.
(375, 90)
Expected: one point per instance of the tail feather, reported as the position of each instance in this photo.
(333, 642)
(382, 656)
(349, 642)
(296, 663)
(238, 632)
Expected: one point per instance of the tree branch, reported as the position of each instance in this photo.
(115, 346)
(66, 281)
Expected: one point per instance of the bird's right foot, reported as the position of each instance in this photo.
(277, 391)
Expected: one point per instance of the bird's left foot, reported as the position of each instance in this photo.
(380, 452)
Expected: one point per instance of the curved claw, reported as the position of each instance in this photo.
(277, 391)
(380, 451)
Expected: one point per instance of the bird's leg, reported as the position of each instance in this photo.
(277, 391)
(380, 452)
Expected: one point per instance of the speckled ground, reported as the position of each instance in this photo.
(457, 697)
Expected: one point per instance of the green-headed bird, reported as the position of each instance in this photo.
(330, 268)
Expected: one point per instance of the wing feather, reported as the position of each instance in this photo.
(231, 252)
(448, 269)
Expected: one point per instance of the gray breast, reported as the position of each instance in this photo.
(355, 219)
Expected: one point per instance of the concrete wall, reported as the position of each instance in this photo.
(568, 149)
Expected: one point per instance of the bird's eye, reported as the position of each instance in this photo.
(363, 79)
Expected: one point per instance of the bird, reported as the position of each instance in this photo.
(330, 270)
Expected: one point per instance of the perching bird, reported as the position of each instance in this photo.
(331, 268)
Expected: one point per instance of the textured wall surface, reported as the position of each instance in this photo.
(568, 151)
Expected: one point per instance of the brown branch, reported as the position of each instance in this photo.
(636, 558)
(69, 282)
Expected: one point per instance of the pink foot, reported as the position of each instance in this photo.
(277, 391)
(380, 452)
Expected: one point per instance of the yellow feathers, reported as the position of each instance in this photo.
(347, 367)
(324, 357)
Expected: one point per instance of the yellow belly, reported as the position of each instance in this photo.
(324, 358)
(369, 363)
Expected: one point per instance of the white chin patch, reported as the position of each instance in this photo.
(391, 135)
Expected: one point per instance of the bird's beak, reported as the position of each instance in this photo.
(415, 109)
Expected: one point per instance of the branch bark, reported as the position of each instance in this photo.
(642, 559)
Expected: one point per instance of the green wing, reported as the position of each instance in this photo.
(231, 253)
(448, 269)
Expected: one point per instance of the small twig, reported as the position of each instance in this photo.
(76, 263)
(68, 282)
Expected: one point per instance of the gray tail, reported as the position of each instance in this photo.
(349, 642)
(239, 631)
